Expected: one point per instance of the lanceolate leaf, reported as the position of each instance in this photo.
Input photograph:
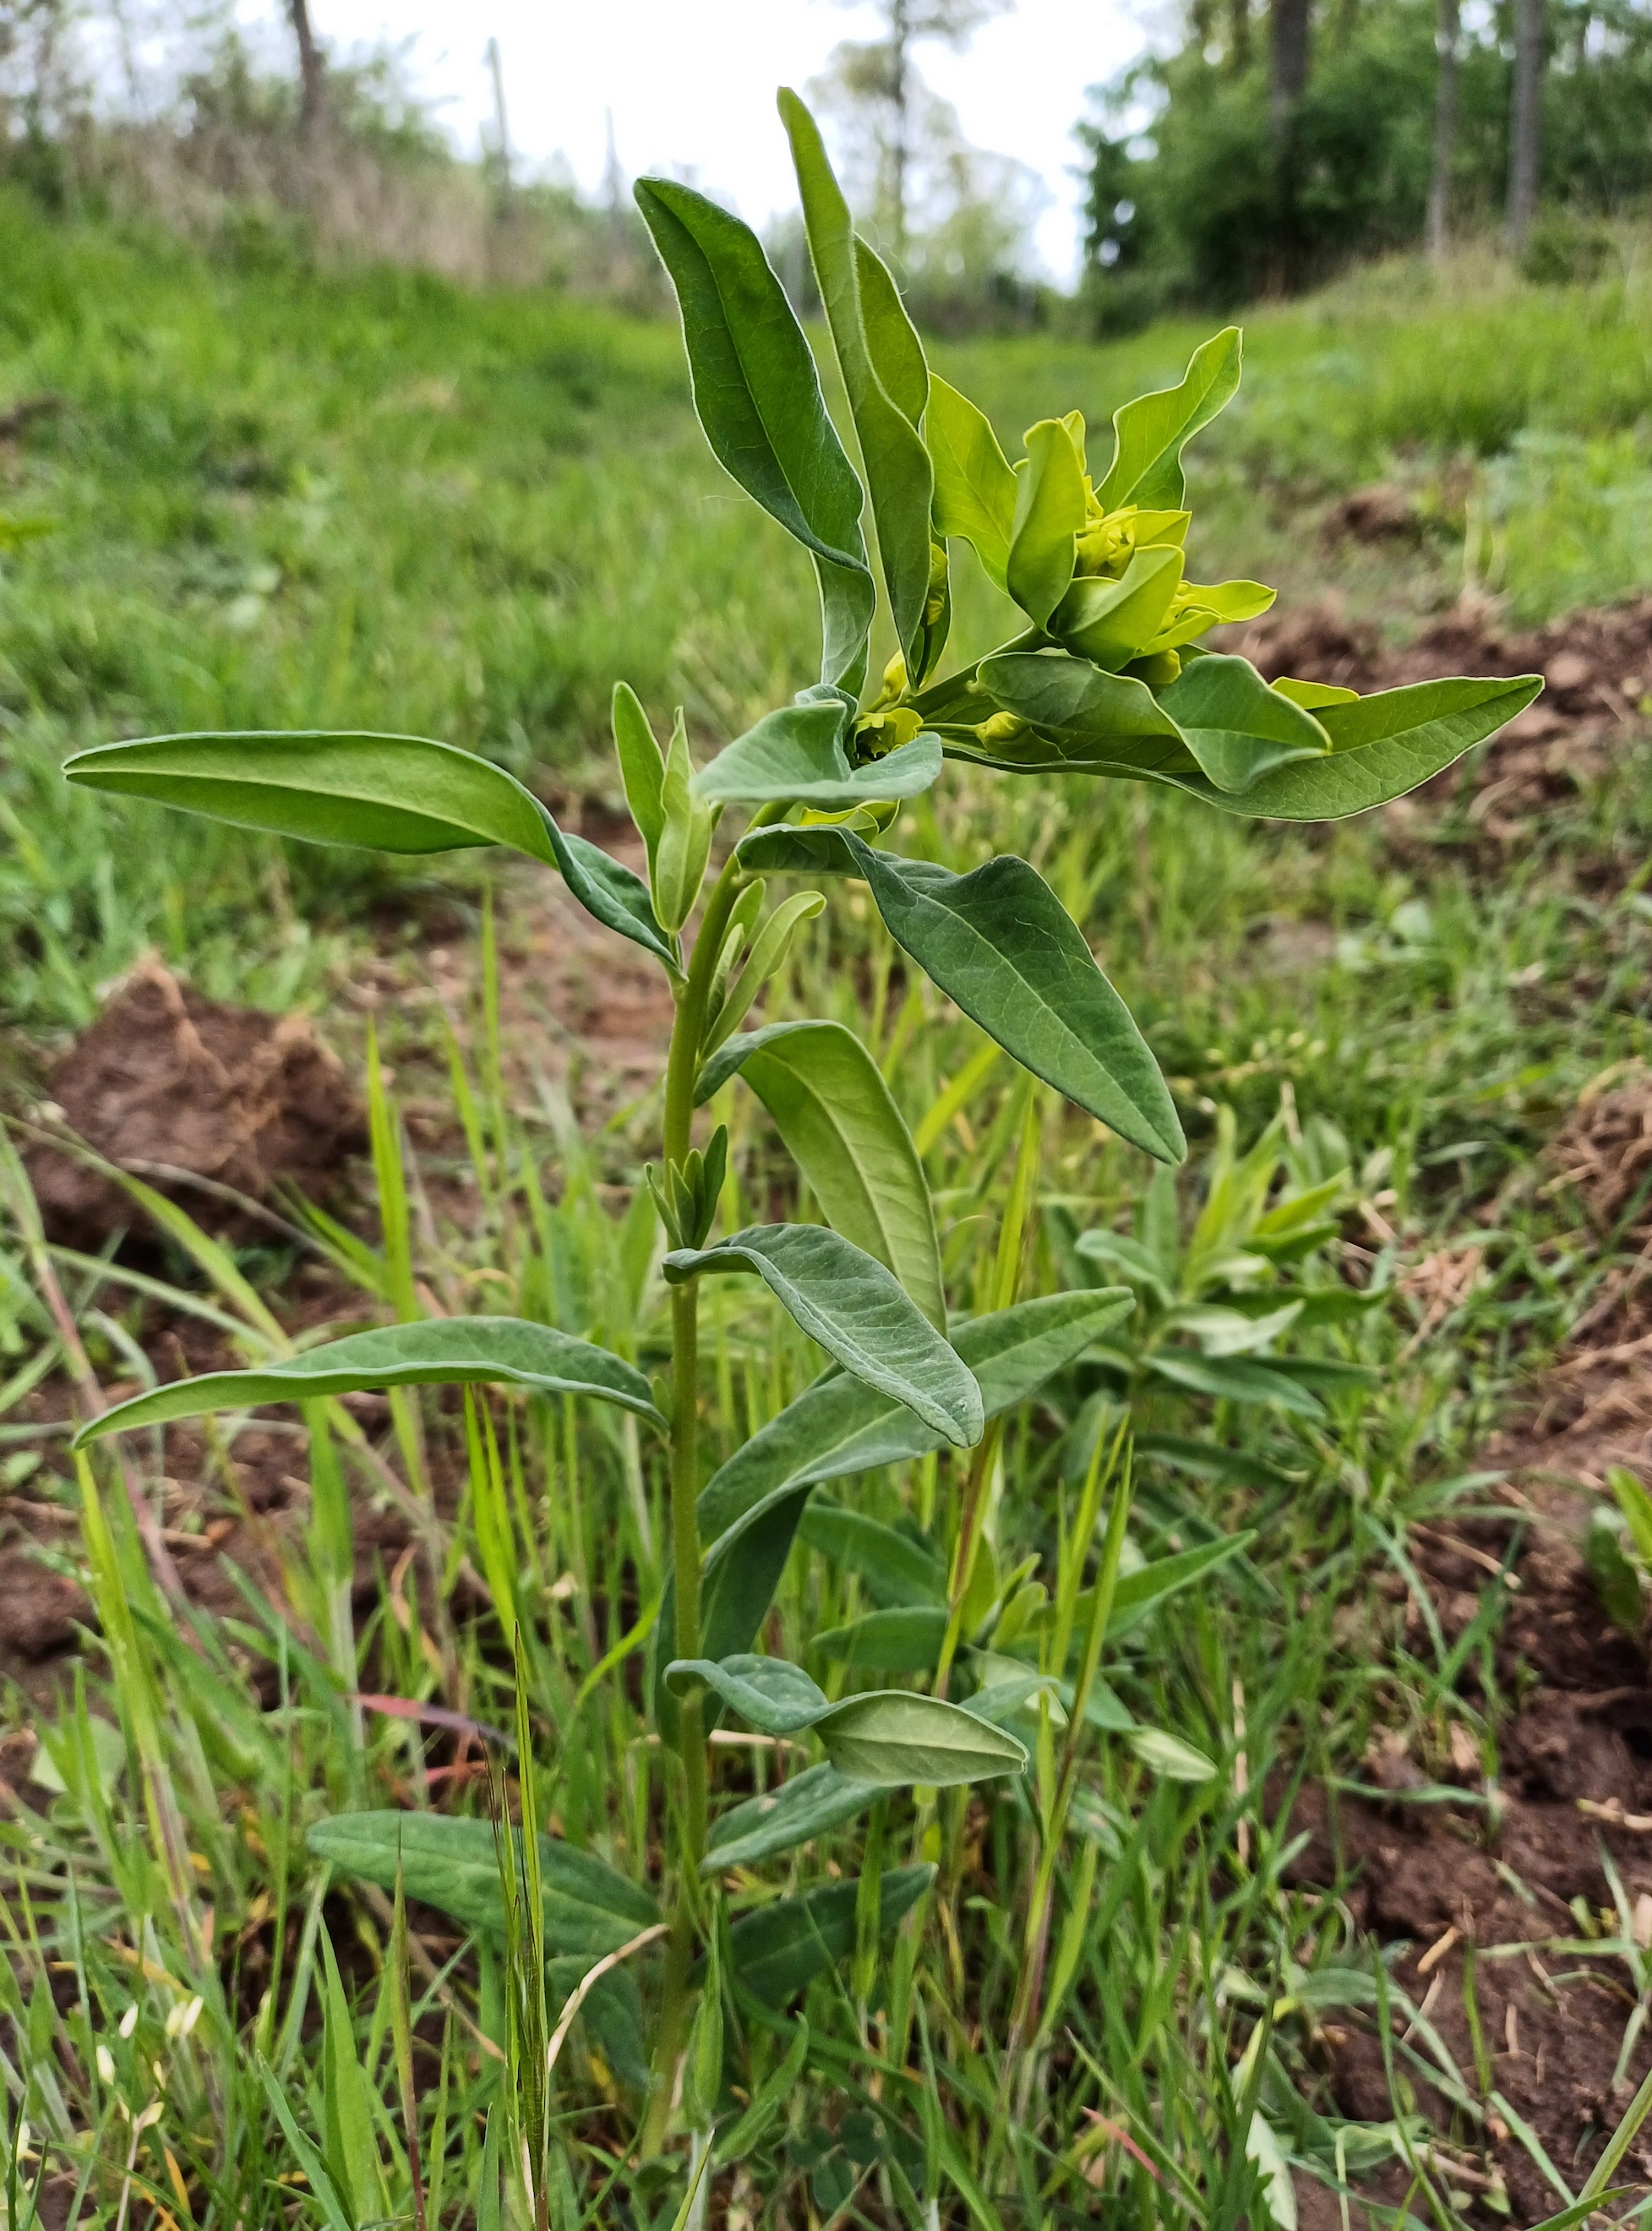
(1236, 727)
(1000, 943)
(391, 793)
(454, 1865)
(892, 339)
(757, 396)
(894, 1569)
(779, 1949)
(1381, 747)
(1050, 517)
(838, 1426)
(803, 1807)
(859, 1313)
(797, 753)
(841, 1126)
(432, 1352)
(1150, 433)
(897, 464)
(749, 1511)
(894, 1739)
(888, 1737)
(1233, 1379)
(903, 1639)
(1110, 621)
(1140, 1592)
(975, 487)
(641, 766)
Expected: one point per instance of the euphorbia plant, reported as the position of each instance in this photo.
(1106, 675)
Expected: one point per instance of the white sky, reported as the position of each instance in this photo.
(691, 82)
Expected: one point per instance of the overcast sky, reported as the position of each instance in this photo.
(691, 82)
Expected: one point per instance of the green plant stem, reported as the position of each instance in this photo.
(683, 1068)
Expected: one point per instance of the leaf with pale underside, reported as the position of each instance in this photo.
(888, 1737)
(756, 394)
(975, 485)
(804, 1806)
(432, 1352)
(797, 753)
(454, 1865)
(999, 942)
(1150, 433)
(841, 1126)
(389, 793)
(858, 1311)
(899, 478)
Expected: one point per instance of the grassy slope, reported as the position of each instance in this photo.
(476, 511)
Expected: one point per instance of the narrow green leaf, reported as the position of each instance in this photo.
(1150, 434)
(1233, 1379)
(1000, 943)
(902, 1639)
(975, 487)
(838, 1426)
(841, 1126)
(1049, 517)
(453, 1864)
(798, 753)
(894, 1569)
(757, 396)
(611, 2011)
(1169, 1757)
(1636, 1507)
(338, 2215)
(1236, 727)
(1112, 621)
(770, 2097)
(895, 1739)
(1136, 1593)
(892, 339)
(1381, 747)
(434, 1351)
(350, 2147)
(389, 793)
(803, 1807)
(641, 766)
(898, 473)
(858, 1311)
(779, 1949)
(768, 951)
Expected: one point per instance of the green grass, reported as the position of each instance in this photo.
(282, 498)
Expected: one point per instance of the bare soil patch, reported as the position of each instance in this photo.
(1597, 673)
(206, 1102)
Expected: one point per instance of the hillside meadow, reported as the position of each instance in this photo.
(1350, 1925)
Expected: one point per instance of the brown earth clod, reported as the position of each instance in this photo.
(173, 1088)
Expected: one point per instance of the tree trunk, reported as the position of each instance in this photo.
(1238, 36)
(1525, 122)
(312, 90)
(901, 103)
(1289, 61)
(1445, 128)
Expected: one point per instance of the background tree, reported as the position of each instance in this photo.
(876, 83)
(311, 79)
(1447, 40)
(1525, 118)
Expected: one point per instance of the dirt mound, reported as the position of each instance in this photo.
(1379, 514)
(1500, 1896)
(1596, 667)
(176, 1088)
